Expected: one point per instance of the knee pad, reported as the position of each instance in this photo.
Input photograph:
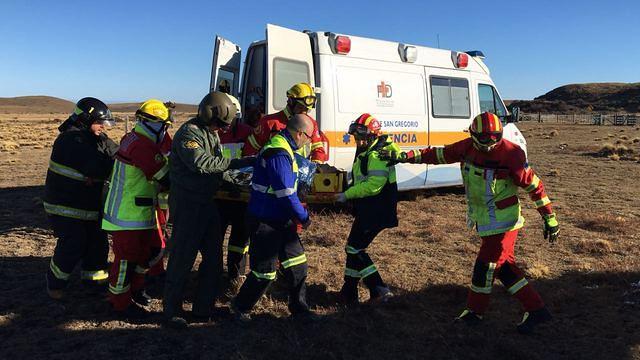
(483, 275)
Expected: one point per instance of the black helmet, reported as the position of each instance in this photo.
(91, 110)
(216, 108)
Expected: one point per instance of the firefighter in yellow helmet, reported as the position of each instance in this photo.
(300, 99)
(140, 171)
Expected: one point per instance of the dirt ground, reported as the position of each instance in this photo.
(587, 278)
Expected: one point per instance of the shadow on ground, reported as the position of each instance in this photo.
(591, 321)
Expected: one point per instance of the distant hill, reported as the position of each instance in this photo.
(132, 107)
(35, 105)
(50, 104)
(584, 98)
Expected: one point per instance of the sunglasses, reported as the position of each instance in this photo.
(307, 135)
(488, 138)
(308, 101)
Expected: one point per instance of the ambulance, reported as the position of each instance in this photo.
(422, 96)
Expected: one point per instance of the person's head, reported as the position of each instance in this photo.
(224, 86)
(301, 98)
(300, 127)
(217, 111)
(93, 115)
(155, 116)
(365, 129)
(253, 115)
(486, 131)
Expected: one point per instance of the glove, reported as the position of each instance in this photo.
(307, 223)
(551, 228)
(340, 197)
(394, 157)
(242, 162)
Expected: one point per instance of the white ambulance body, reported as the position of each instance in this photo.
(422, 96)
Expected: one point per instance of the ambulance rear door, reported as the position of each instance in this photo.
(289, 61)
(450, 96)
(225, 69)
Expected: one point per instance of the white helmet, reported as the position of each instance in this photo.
(237, 104)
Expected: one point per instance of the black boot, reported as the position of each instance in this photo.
(348, 295)
(141, 298)
(532, 319)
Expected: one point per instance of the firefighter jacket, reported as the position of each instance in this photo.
(275, 183)
(233, 140)
(374, 190)
(197, 163)
(139, 169)
(80, 163)
(271, 124)
(491, 181)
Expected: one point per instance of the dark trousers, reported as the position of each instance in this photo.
(233, 213)
(269, 243)
(196, 227)
(78, 241)
(359, 264)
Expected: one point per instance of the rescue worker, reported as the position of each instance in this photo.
(130, 211)
(492, 170)
(232, 142)
(273, 213)
(374, 193)
(300, 99)
(197, 165)
(81, 161)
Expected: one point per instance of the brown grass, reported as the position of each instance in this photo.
(597, 247)
(554, 133)
(604, 223)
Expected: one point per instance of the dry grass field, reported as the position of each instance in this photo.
(587, 279)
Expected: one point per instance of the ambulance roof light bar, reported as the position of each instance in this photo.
(408, 53)
(340, 44)
(476, 53)
(460, 60)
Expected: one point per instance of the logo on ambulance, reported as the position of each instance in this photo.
(384, 90)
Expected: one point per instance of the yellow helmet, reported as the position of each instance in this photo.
(155, 111)
(302, 93)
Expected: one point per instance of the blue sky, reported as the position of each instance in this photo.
(133, 50)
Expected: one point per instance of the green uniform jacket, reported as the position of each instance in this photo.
(196, 162)
(374, 190)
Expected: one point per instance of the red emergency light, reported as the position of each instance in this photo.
(342, 45)
(462, 60)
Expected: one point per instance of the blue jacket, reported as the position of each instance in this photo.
(274, 170)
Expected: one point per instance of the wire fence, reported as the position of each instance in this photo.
(585, 119)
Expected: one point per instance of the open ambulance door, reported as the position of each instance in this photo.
(289, 61)
(225, 70)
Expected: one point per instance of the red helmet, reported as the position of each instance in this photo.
(365, 126)
(486, 131)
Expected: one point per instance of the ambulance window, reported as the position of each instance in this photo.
(490, 100)
(450, 97)
(286, 74)
(255, 78)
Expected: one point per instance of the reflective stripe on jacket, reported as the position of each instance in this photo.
(275, 182)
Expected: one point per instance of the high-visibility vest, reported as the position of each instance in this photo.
(132, 198)
(493, 205)
(277, 142)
